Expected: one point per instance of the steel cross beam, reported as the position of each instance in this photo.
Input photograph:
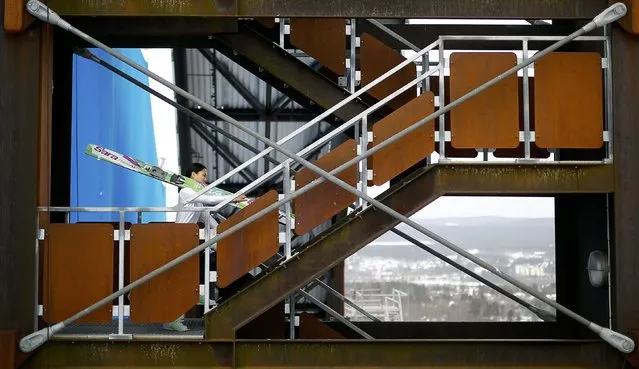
(613, 13)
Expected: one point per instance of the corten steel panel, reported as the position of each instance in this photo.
(312, 328)
(8, 349)
(631, 21)
(410, 149)
(376, 59)
(250, 246)
(78, 271)
(16, 19)
(509, 9)
(343, 354)
(569, 101)
(172, 293)
(625, 74)
(324, 201)
(322, 38)
(490, 119)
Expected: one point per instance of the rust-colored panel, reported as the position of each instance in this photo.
(630, 22)
(16, 18)
(246, 248)
(410, 149)
(78, 271)
(322, 38)
(172, 293)
(490, 119)
(322, 202)
(8, 349)
(376, 59)
(569, 101)
(311, 328)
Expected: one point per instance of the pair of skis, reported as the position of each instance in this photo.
(156, 172)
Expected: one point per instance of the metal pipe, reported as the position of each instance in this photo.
(543, 314)
(87, 54)
(336, 315)
(36, 296)
(526, 98)
(121, 273)
(615, 339)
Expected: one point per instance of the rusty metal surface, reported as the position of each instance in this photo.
(490, 119)
(323, 39)
(334, 354)
(509, 179)
(313, 328)
(8, 348)
(569, 101)
(527, 9)
(73, 255)
(631, 21)
(16, 19)
(243, 251)
(375, 59)
(286, 73)
(625, 58)
(92, 8)
(19, 83)
(408, 151)
(324, 201)
(320, 255)
(153, 245)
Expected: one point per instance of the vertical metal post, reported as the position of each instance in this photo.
(121, 274)
(526, 101)
(37, 273)
(608, 88)
(425, 67)
(287, 245)
(207, 263)
(67, 217)
(139, 217)
(364, 163)
(353, 58)
(442, 103)
(282, 30)
(287, 208)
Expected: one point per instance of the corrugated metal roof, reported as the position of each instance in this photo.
(202, 84)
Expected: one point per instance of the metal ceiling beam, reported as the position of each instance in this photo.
(250, 115)
(327, 354)
(523, 9)
(407, 197)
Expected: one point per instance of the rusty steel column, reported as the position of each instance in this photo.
(19, 121)
(625, 74)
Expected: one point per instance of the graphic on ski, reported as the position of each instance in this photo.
(156, 172)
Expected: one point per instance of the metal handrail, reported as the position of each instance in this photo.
(615, 339)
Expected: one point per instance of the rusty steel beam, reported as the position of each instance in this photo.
(524, 9)
(525, 179)
(625, 74)
(407, 197)
(327, 354)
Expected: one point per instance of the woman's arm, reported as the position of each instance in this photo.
(186, 194)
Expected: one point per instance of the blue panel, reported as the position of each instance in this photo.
(111, 112)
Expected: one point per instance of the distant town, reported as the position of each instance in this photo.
(395, 280)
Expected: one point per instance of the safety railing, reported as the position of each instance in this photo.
(615, 339)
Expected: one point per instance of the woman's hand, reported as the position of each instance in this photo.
(240, 198)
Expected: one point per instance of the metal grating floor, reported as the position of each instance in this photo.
(196, 329)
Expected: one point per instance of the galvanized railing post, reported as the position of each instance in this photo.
(363, 165)
(526, 102)
(442, 101)
(121, 274)
(207, 264)
(287, 245)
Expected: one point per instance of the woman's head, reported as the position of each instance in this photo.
(198, 172)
